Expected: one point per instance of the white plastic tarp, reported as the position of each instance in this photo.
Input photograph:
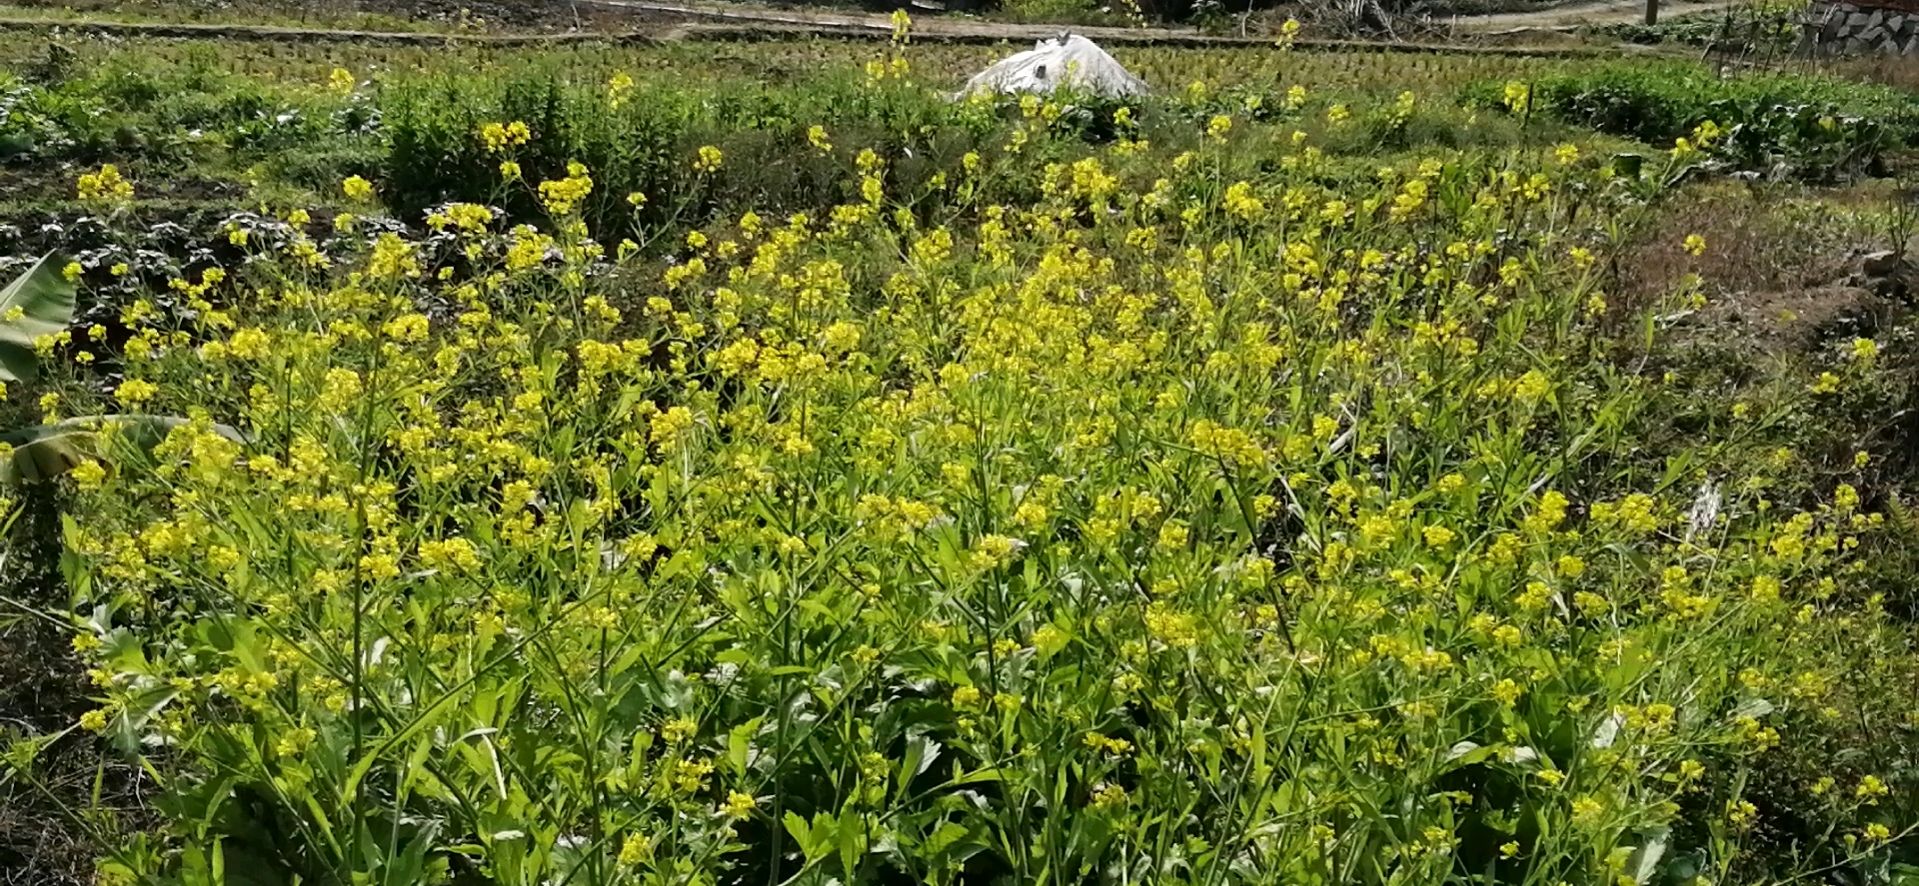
(1067, 61)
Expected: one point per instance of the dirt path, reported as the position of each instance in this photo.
(1582, 14)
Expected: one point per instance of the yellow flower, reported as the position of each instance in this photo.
(1518, 96)
(1694, 244)
(341, 81)
(1218, 127)
(497, 137)
(105, 187)
(1741, 813)
(617, 87)
(636, 849)
(739, 805)
(1288, 34)
(135, 391)
(357, 188)
(88, 474)
(709, 160)
(564, 195)
(1532, 386)
(1241, 203)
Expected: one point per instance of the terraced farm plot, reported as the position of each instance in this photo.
(741, 462)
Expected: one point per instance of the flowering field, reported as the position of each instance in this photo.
(1246, 487)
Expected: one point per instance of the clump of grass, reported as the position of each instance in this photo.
(1815, 126)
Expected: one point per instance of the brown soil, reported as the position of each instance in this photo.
(1803, 320)
(1783, 270)
(43, 690)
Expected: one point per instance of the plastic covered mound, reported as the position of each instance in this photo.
(1068, 61)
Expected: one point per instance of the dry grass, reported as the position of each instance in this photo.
(1761, 239)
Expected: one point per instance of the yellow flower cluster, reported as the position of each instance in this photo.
(1187, 478)
(563, 196)
(496, 137)
(104, 186)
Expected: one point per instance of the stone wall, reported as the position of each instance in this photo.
(1837, 28)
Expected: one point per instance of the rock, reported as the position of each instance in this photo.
(1912, 46)
(1871, 36)
(1858, 21)
(1895, 23)
(1889, 274)
(1876, 18)
(1881, 263)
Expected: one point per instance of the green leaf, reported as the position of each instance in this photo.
(852, 846)
(802, 834)
(942, 838)
(42, 452)
(739, 742)
(825, 834)
(1644, 862)
(921, 751)
(45, 300)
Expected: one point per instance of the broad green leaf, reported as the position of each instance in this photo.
(921, 751)
(44, 300)
(1644, 862)
(42, 452)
